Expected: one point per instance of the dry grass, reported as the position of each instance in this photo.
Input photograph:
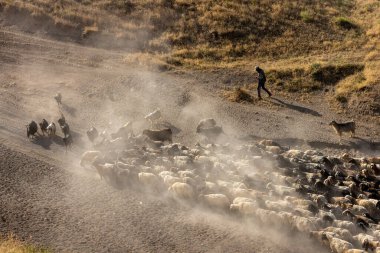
(11, 244)
(238, 94)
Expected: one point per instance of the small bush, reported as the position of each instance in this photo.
(342, 99)
(345, 23)
(238, 95)
(306, 16)
(13, 244)
(331, 74)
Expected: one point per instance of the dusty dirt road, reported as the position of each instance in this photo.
(47, 198)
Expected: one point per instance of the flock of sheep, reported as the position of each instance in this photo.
(333, 199)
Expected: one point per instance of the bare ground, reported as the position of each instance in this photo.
(46, 196)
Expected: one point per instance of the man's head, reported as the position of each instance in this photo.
(257, 68)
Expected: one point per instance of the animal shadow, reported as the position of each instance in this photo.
(296, 107)
(69, 109)
(43, 141)
(363, 143)
(57, 140)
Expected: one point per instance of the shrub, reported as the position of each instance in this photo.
(345, 23)
(341, 99)
(306, 16)
(238, 95)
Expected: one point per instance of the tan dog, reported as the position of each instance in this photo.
(343, 127)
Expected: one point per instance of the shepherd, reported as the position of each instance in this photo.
(262, 79)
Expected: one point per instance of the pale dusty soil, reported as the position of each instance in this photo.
(45, 195)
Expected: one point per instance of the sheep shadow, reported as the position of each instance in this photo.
(78, 139)
(42, 141)
(296, 107)
(69, 109)
(57, 140)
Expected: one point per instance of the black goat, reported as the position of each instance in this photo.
(31, 129)
(43, 125)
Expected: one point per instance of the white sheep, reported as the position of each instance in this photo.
(149, 180)
(89, 157)
(281, 190)
(350, 226)
(244, 208)
(240, 192)
(293, 153)
(182, 190)
(274, 149)
(217, 201)
(51, 129)
(370, 205)
(338, 245)
(342, 233)
(170, 180)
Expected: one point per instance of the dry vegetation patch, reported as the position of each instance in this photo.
(12, 244)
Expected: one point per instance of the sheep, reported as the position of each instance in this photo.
(31, 129)
(89, 157)
(338, 245)
(153, 116)
(51, 129)
(68, 141)
(159, 135)
(105, 170)
(274, 149)
(210, 187)
(65, 129)
(367, 241)
(206, 123)
(342, 233)
(281, 190)
(266, 143)
(370, 205)
(217, 201)
(293, 153)
(170, 180)
(43, 126)
(211, 133)
(355, 251)
(125, 131)
(278, 205)
(149, 180)
(58, 98)
(321, 237)
(239, 192)
(92, 134)
(61, 120)
(244, 208)
(350, 226)
(182, 190)
(190, 181)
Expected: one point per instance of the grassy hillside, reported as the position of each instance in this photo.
(296, 40)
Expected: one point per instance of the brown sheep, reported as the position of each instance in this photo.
(159, 135)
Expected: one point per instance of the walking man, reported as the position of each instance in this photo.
(262, 79)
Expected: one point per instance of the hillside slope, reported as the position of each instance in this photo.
(295, 40)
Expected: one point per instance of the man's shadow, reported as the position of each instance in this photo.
(296, 107)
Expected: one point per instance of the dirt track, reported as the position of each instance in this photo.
(47, 196)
